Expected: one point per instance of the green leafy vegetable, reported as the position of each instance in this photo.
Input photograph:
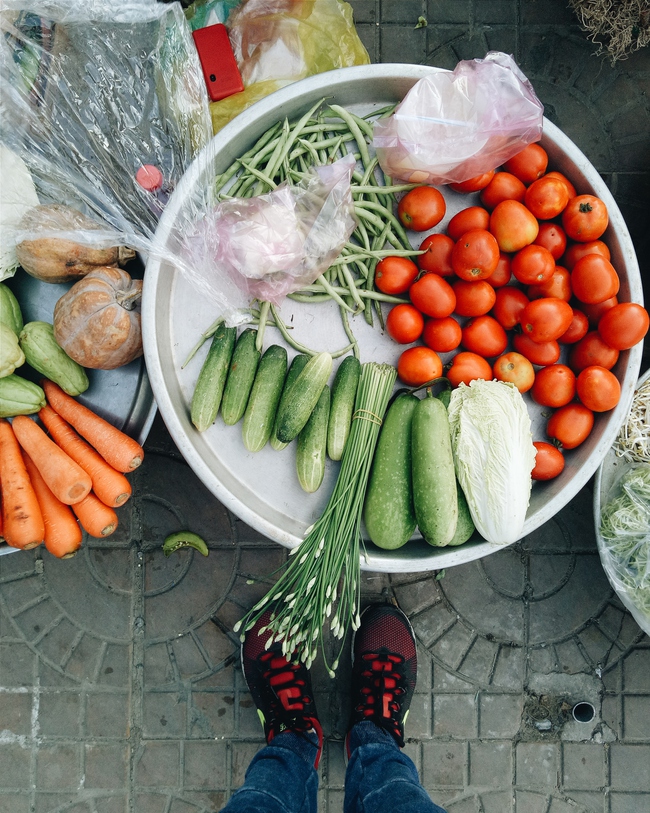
(493, 456)
(625, 534)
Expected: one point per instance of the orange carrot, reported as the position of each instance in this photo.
(62, 532)
(117, 448)
(67, 480)
(22, 520)
(110, 485)
(95, 517)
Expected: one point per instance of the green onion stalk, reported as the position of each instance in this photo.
(323, 572)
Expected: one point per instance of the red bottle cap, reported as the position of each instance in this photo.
(149, 177)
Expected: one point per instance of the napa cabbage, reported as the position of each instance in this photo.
(493, 455)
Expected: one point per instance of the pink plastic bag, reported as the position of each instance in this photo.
(454, 125)
(273, 244)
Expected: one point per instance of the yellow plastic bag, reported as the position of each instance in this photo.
(277, 42)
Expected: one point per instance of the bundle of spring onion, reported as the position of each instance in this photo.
(633, 441)
(323, 572)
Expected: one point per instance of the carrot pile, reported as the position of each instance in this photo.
(69, 476)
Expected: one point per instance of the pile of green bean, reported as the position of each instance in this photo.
(286, 152)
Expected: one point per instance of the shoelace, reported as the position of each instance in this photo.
(382, 684)
(287, 693)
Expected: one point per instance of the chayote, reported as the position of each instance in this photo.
(19, 396)
(45, 355)
(11, 355)
(10, 314)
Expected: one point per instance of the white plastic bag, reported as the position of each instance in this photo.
(454, 125)
(624, 539)
(93, 91)
(267, 246)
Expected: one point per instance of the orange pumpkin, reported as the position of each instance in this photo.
(97, 322)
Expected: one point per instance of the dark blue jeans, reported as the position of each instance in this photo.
(379, 777)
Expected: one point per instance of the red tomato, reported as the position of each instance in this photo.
(437, 257)
(528, 164)
(533, 265)
(549, 461)
(417, 365)
(504, 186)
(502, 274)
(466, 367)
(594, 279)
(394, 275)
(540, 353)
(552, 237)
(442, 335)
(475, 255)
(559, 285)
(577, 250)
(596, 312)
(515, 369)
(513, 225)
(473, 298)
(404, 323)
(591, 349)
(474, 184)
(554, 386)
(585, 218)
(422, 208)
(473, 217)
(570, 187)
(485, 336)
(546, 197)
(433, 296)
(570, 425)
(598, 389)
(509, 304)
(624, 325)
(577, 329)
(546, 319)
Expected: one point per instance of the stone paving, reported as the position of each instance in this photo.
(120, 686)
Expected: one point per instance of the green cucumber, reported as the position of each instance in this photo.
(388, 510)
(212, 378)
(465, 526)
(295, 368)
(264, 398)
(10, 313)
(241, 374)
(344, 392)
(311, 449)
(434, 479)
(303, 396)
(47, 357)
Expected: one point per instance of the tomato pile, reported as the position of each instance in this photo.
(510, 283)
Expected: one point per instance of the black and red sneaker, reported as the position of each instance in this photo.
(384, 669)
(280, 687)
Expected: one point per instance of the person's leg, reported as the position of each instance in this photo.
(380, 778)
(282, 776)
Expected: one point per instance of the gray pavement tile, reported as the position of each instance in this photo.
(583, 766)
(489, 762)
(14, 765)
(629, 802)
(15, 803)
(444, 765)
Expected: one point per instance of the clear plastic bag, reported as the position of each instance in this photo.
(454, 125)
(93, 92)
(276, 42)
(267, 246)
(624, 539)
